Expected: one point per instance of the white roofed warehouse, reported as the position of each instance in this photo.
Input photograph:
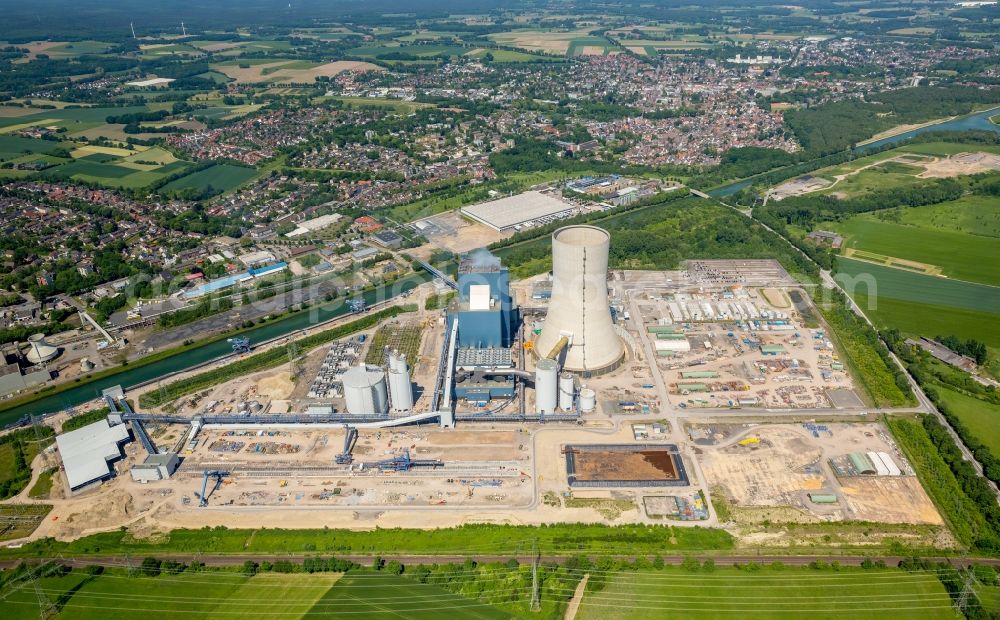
(89, 453)
(514, 211)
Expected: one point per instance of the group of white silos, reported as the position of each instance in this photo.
(580, 312)
(369, 390)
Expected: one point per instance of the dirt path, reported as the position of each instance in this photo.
(574, 603)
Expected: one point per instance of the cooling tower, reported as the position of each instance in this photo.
(40, 351)
(579, 308)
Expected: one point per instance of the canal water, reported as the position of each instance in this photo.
(197, 355)
(979, 120)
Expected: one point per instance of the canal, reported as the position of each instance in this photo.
(196, 355)
(978, 121)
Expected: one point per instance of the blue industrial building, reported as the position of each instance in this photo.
(487, 326)
(485, 310)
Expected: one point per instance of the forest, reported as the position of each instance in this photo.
(839, 125)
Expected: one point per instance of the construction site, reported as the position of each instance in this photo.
(810, 469)
(577, 395)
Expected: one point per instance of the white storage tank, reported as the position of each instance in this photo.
(566, 390)
(546, 388)
(588, 400)
(400, 390)
(365, 390)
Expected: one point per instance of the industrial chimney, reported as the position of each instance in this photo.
(579, 311)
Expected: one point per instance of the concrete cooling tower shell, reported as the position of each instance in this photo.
(40, 351)
(579, 306)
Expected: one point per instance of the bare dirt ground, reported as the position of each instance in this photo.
(789, 463)
(890, 500)
(39, 47)
(776, 297)
(255, 73)
(277, 386)
(452, 232)
(960, 164)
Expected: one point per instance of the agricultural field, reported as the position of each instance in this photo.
(979, 416)
(61, 50)
(218, 594)
(200, 595)
(119, 168)
(562, 42)
(261, 71)
(504, 56)
(923, 305)
(399, 597)
(796, 592)
(214, 179)
(953, 254)
(409, 53)
(159, 50)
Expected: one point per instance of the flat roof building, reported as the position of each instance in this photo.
(507, 213)
(156, 467)
(88, 453)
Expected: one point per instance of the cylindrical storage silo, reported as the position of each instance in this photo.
(588, 400)
(365, 391)
(546, 386)
(400, 390)
(566, 389)
(579, 308)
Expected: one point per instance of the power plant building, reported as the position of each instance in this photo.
(485, 310)
(16, 374)
(89, 453)
(487, 327)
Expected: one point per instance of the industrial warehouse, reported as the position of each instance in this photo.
(515, 212)
(603, 400)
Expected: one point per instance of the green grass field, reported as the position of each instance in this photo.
(903, 285)
(215, 594)
(43, 486)
(222, 177)
(961, 256)
(503, 56)
(881, 177)
(376, 595)
(974, 215)
(769, 593)
(194, 595)
(13, 147)
(923, 305)
(982, 418)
